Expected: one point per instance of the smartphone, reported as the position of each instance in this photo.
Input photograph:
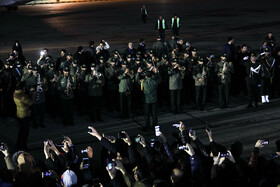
(265, 142)
(176, 125)
(2, 147)
(224, 154)
(157, 130)
(89, 130)
(183, 147)
(46, 174)
(121, 135)
(85, 163)
(152, 142)
(191, 131)
(42, 53)
(137, 139)
(110, 164)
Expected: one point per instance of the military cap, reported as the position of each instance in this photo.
(75, 61)
(101, 58)
(66, 68)
(84, 66)
(148, 73)
(267, 49)
(18, 62)
(129, 56)
(149, 61)
(92, 65)
(7, 62)
(138, 53)
(224, 55)
(137, 59)
(30, 67)
(252, 54)
(165, 56)
(69, 54)
(151, 51)
(200, 59)
(35, 68)
(174, 60)
(113, 60)
(194, 49)
(124, 63)
(51, 65)
(116, 52)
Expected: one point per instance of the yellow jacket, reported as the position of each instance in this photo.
(23, 103)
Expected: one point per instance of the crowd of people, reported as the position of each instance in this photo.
(135, 161)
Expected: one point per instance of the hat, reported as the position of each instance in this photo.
(129, 56)
(66, 68)
(113, 60)
(69, 54)
(149, 61)
(124, 63)
(224, 55)
(252, 54)
(188, 44)
(75, 62)
(138, 53)
(194, 49)
(101, 58)
(30, 67)
(151, 51)
(174, 60)
(116, 52)
(7, 62)
(69, 178)
(51, 65)
(200, 59)
(148, 73)
(92, 65)
(18, 62)
(267, 49)
(165, 56)
(137, 59)
(35, 68)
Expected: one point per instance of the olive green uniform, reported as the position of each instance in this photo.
(224, 80)
(200, 78)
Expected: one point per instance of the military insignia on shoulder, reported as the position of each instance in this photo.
(230, 63)
(73, 78)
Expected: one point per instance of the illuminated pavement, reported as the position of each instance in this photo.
(206, 24)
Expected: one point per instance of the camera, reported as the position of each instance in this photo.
(137, 139)
(111, 164)
(84, 151)
(89, 130)
(157, 130)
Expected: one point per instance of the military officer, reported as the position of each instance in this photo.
(176, 74)
(112, 85)
(95, 81)
(267, 62)
(66, 84)
(149, 84)
(36, 85)
(253, 71)
(200, 78)
(82, 90)
(224, 69)
(125, 77)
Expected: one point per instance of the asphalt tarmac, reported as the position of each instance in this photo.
(206, 24)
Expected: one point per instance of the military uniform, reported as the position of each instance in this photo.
(224, 70)
(268, 68)
(66, 85)
(200, 78)
(253, 72)
(82, 90)
(112, 86)
(52, 95)
(36, 85)
(175, 86)
(95, 81)
(163, 94)
(149, 87)
(125, 90)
